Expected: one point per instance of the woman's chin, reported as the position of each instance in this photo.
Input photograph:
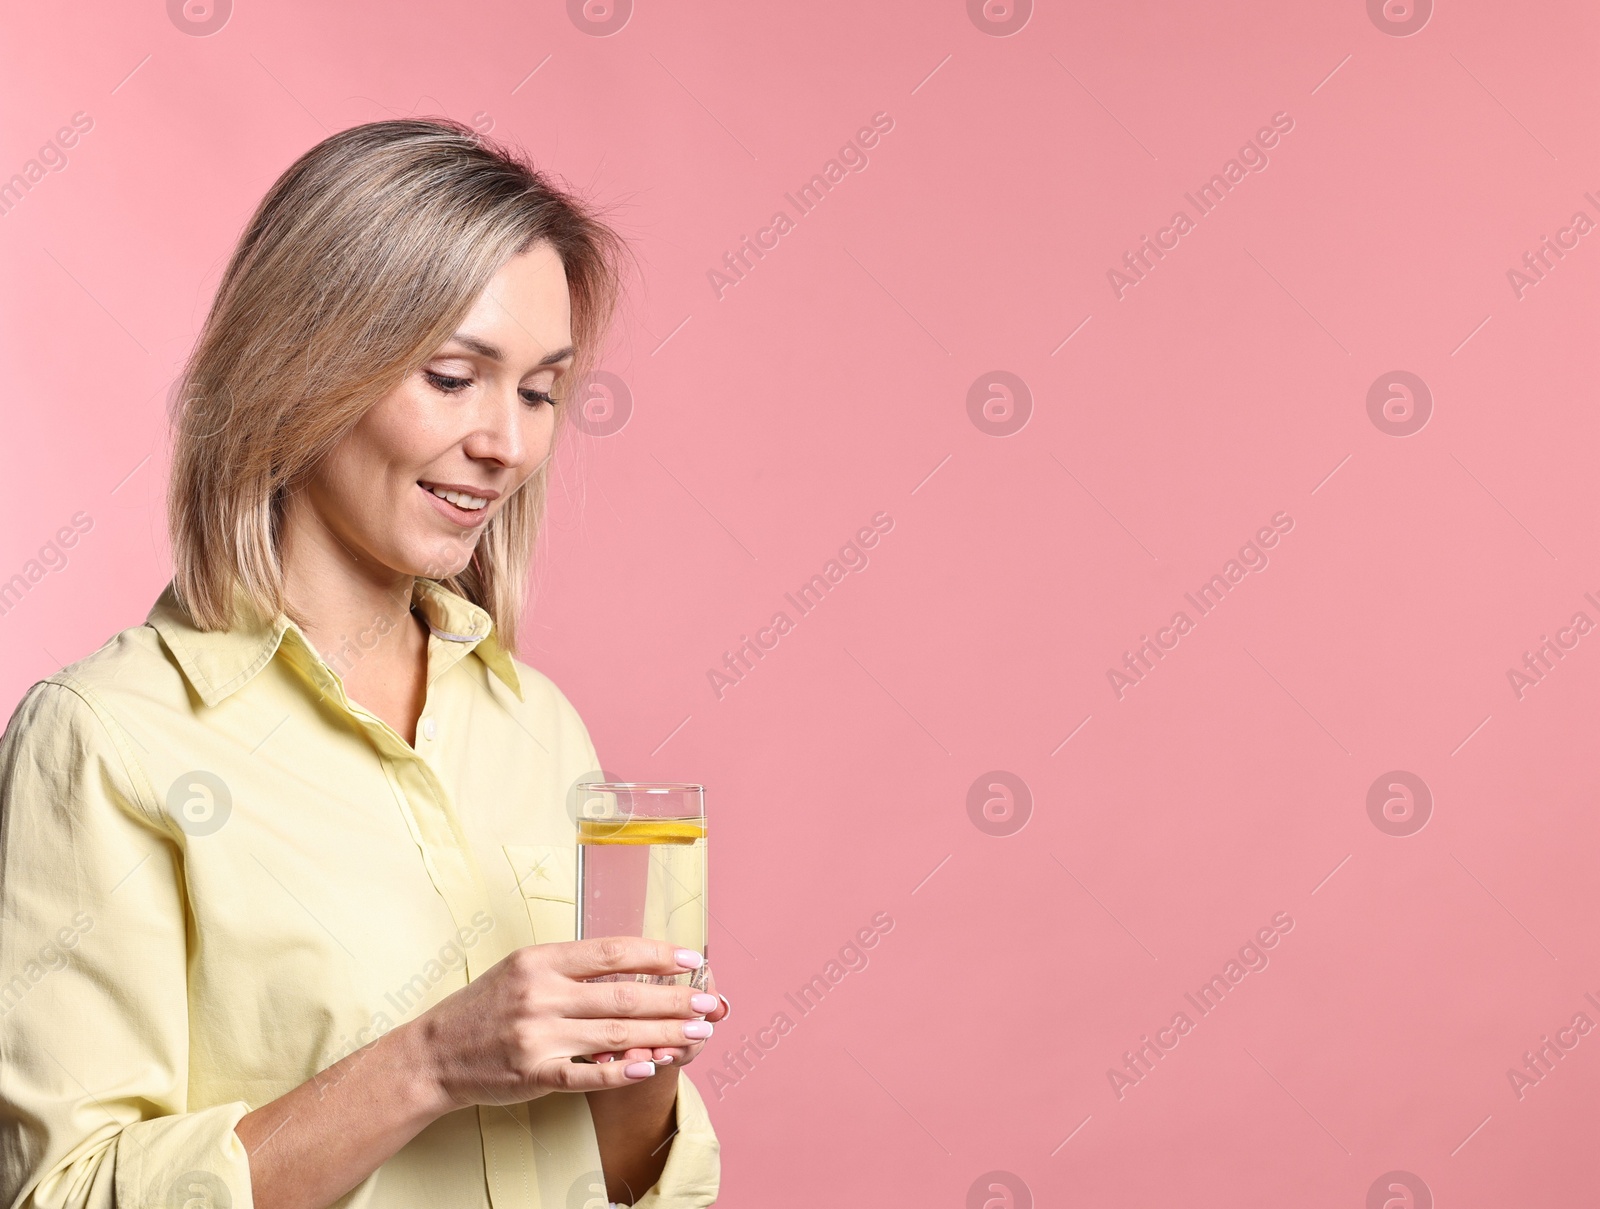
(439, 562)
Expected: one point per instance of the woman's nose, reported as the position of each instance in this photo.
(500, 432)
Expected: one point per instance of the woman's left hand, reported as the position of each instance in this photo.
(677, 1055)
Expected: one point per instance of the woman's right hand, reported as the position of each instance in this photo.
(511, 1034)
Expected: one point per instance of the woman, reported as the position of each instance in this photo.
(286, 873)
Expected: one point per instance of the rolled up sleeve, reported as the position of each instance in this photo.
(94, 1007)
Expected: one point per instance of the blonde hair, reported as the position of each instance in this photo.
(357, 265)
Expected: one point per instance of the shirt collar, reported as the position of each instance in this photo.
(451, 617)
(217, 663)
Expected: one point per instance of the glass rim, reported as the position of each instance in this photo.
(641, 786)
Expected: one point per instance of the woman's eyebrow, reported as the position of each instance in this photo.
(492, 351)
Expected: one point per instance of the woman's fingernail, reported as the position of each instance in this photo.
(639, 1070)
(727, 1008)
(664, 1060)
(698, 1029)
(703, 1002)
(689, 959)
(605, 1058)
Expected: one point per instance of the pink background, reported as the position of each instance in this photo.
(832, 383)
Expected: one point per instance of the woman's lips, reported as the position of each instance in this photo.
(463, 517)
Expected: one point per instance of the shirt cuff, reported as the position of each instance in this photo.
(192, 1158)
(693, 1173)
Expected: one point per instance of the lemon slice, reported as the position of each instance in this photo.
(640, 831)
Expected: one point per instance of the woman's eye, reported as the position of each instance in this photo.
(536, 397)
(446, 383)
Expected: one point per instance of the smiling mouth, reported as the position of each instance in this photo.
(463, 503)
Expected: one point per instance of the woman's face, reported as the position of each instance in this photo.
(414, 483)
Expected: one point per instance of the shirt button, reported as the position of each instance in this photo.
(430, 728)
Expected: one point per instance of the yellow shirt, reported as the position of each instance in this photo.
(219, 876)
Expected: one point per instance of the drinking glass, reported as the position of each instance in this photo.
(642, 869)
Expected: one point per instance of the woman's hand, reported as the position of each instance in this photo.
(511, 1034)
(681, 1055)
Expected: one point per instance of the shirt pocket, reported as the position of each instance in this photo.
(547, 876)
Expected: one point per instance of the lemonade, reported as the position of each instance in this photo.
(640, 876)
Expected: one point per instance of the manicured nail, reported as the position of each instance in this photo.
(703, 1002)
(639, 1070)
(606, 1058)
(689, 959)
(698, 1029)
(663, 1061)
